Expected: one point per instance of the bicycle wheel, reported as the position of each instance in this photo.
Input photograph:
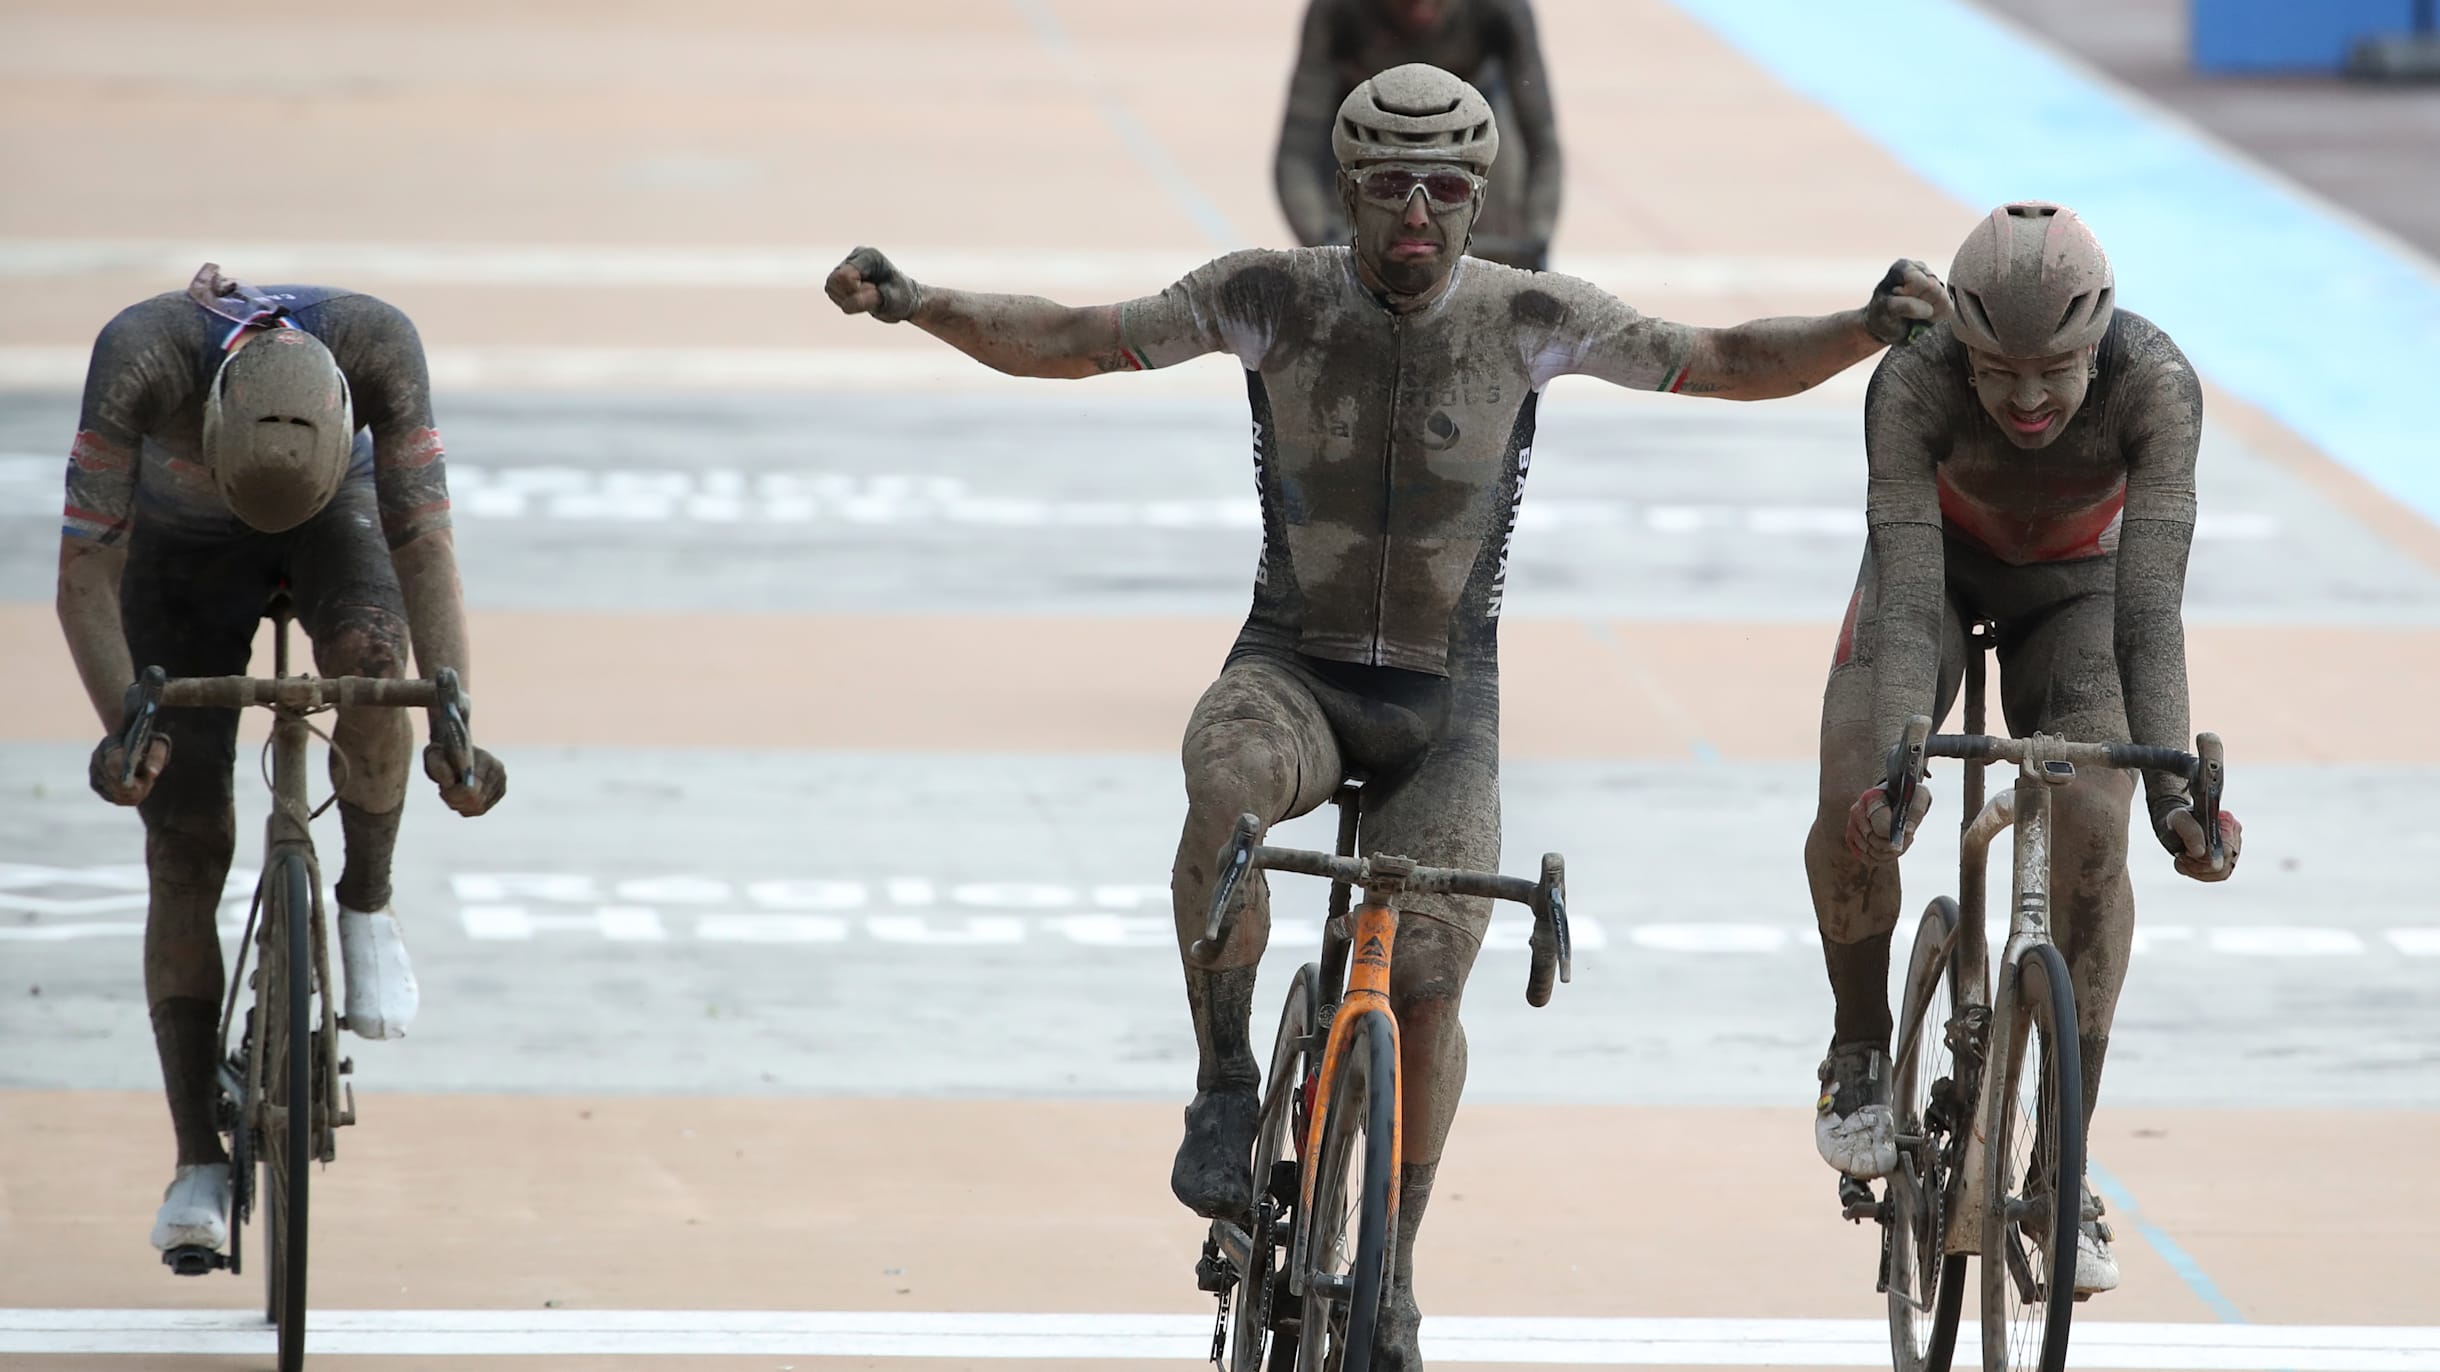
(1346, 1254)
(284, 990)
(2034, 1171)
(1925, 1283)
(1263, 1332)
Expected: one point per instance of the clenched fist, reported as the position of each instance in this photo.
(1908, 299)
(867, 283)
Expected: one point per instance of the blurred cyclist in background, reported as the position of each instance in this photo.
(1492, 45)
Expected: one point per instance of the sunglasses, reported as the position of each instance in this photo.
(1395, 185)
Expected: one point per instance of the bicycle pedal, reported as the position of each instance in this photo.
(1285, 1184)
(193, 1261)
(1856, 1203)
(1214, 1272)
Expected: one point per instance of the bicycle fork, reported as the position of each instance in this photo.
(1375, 941)
(2026, 807)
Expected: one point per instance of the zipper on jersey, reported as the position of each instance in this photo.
(1389, 482)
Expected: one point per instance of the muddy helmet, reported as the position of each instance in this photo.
(1416, 113)
(278, 429)
(2031, 281)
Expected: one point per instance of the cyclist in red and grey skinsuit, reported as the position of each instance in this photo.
(1394, 386)
(1491, 44)
(2032, 464)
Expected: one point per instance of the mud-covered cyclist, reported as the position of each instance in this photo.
(233, 441)
(2032, 464)
(1394, 386)
(1492, 45)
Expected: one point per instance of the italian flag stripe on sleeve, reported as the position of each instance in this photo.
(1670, 383)
(1135, 359)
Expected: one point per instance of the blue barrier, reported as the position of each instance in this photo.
(2242, 36)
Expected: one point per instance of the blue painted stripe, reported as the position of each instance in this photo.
(2318, 322)
(2122, 1202)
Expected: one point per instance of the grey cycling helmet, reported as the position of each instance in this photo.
(1416, 113)
(2031, 281)
(278, 429)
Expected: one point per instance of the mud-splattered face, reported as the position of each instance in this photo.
(2030, 398)
(1410, 244)
(1413, 16)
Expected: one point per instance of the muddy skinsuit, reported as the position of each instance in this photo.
(1490, 43)
(2077, 553)
(193, 593)
(1390, 454)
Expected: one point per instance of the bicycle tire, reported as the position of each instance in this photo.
(1257, 1339)
(285, 987)
(1925, 1284)
(2046, 1183)
(1359, 1126)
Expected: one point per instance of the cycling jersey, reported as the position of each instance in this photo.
(2117, 482)
(139, 442)
(1391, 448)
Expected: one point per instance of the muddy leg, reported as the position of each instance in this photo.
(1256, 745)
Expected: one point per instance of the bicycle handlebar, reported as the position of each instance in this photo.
(155, 691)
(1380, 874)
(2205, 769)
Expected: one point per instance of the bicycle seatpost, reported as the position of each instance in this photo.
(1235, 861)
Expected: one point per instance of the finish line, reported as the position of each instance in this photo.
(1452, 1339)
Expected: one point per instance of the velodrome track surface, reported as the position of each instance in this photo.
(817, 966)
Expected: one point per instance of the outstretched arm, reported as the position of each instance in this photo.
(1022, 335)
(1765, 359)
(1026, 335)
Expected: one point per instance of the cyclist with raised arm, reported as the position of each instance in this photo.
(1492, 44)
(2032, 465)
(1394, 385)
(218, 459)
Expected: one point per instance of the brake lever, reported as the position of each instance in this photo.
(1905, 773)
(140, 711)
(1552, 944)
(455, 735)
(2211, 767)
(1235, 861)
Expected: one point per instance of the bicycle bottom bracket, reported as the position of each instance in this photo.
(191, 1260)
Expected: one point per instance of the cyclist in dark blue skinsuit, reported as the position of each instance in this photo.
(219, 458)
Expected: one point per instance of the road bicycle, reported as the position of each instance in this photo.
(1991, 1143)
(1308, 1266)
(282, 1093)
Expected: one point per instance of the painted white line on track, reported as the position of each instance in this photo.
(1451, 1339)
(696, 266)
(914, 367)
(725, 498)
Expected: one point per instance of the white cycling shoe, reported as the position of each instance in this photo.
(381, 992)
(2096, 1266)
(1853, 1126)
(195, 1209)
